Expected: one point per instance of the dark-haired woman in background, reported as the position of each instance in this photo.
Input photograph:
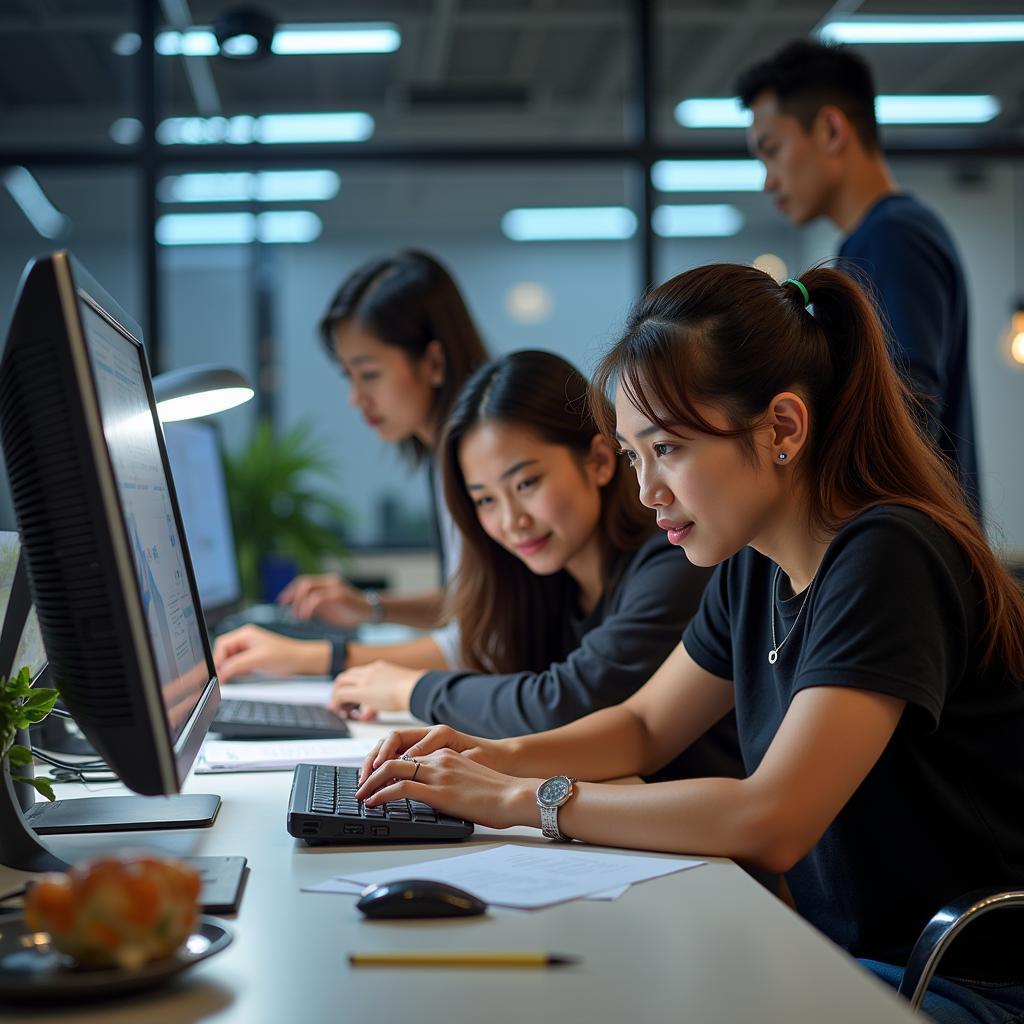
(858, 622)
(403, 337)
(569, 597)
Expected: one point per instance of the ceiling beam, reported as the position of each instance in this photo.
(437, 50)
(198, 71)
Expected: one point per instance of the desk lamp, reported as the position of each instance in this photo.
(197, 391)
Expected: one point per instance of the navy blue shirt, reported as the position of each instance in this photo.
(892, 610)
(912, 266)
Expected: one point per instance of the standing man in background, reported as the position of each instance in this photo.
(814, 129)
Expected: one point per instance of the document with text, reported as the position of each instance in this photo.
(524, 877)
(279, 755)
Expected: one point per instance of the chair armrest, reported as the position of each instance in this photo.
(941, 930)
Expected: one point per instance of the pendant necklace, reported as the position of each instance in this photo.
(773, 654)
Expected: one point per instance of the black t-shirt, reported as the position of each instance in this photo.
(893, 610)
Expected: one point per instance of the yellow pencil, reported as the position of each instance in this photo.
(456, 959)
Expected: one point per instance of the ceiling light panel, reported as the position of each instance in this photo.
(708, 176)
(697, 220)
(569, 223)
(246, 186)
(897, 30)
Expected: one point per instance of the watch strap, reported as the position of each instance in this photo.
(376, 603)
(549, 824)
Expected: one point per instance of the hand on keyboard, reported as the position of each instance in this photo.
(450, 782)
(425, 740)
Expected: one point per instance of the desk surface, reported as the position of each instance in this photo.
(707, 945)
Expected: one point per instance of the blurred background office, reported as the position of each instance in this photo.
(220, 172)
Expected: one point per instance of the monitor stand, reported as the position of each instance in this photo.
(23, 820)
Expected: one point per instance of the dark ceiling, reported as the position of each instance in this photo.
(537, 72)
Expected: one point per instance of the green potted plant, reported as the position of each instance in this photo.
(22, 705)
(276, 509)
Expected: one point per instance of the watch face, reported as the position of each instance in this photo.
(554, 790)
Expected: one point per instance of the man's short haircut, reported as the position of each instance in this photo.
(807, 76)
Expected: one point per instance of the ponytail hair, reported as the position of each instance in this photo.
(509, 617)
(730, 337)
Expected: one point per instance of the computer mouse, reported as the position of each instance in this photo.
(418, 897)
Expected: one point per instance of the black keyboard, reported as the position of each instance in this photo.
(323, 809)
(250, 719)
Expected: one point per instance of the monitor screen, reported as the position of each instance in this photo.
(153, 538)
(107, 566)
(193, 449)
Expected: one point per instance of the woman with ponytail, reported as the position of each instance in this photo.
(858, 623)
(568, 596)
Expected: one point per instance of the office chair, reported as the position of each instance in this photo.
(941, 930)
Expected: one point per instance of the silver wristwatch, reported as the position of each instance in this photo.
(376, 603)
(551, 795)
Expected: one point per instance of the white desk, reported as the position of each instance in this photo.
(707, 945)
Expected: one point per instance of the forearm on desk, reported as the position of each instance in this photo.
(421, 611)
(709, 817)
(604, 745)
(421, 653)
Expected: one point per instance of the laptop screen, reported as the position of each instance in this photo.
(194, 452)
(30, 651)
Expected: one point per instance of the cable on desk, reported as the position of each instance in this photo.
(95, 770)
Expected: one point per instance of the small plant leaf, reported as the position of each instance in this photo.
(44, 787)
(19, 755)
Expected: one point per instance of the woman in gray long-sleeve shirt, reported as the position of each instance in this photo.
(567, 597)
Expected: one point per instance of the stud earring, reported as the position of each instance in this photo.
(783, 456)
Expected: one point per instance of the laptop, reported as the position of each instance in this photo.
(193, 448)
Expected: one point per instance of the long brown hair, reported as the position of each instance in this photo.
(730, 337)
(407, 301)
(509, 617)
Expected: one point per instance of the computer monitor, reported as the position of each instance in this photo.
(102, 538)
(193, 448)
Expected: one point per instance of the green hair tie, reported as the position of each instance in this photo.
(803, 289)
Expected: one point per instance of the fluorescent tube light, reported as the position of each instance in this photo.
(196, 42)
(206, 228)
(242, 129)
(936, 109)
(342, 127)
(708, 176)
(697, 220)
(992, 29)
(572, 223)
(726, 112)
(294, 226)
(717, 112)
(33, 202)
(278, 226)
(354, 38)
(243, 45)
(246, 186)
(289, 40)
